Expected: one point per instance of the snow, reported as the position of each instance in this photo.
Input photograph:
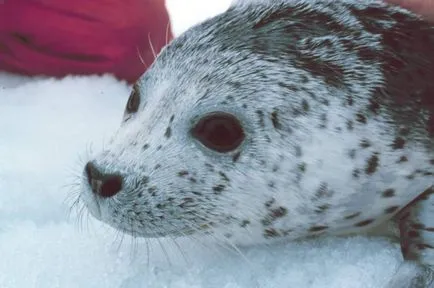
(46, 128)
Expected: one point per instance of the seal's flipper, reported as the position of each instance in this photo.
(416, 227)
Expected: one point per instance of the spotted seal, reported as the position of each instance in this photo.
(280, 119)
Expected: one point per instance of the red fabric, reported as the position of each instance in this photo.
(62, 37)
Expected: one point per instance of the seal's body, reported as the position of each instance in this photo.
(280, 120)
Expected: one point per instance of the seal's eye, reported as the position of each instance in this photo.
(219, 131)
(134, 101)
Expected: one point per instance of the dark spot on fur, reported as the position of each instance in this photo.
(273, 215)
(218, 189)
(374, 106)
(388, 193)
(305, 105)
(159, 147)
(352, 216)
(322, 208)
(158, 166)
(271, 184)
(323, 119)
(146, 146)
(261, 118)
(234, 84)
(323, 191)
(228, 235)
(361, 118)
(350, 100)
(196, 193)
(302, 167)
(210, 167)
(244, 223)
(182, 173)
(402, 159)
(168, 132)
(431, 161)
(275, 120)
(364, 223)
(172, 118)
(404, 130)
(356, 173)
(398, 143)
(326, 102)
(144, 181)
(269, 203)
(366, 53)
(329, 71)
(223, 175)
(352, 153)
(160, 206)
(279, 212)
(350, 125)
(271, 233)
(316, 19)
(372, 164)
(296, 112)
(365, 143)
(192, 180)
(391, 209)
(290, 87)
(153, 191)
(318, 228)
(236, 156)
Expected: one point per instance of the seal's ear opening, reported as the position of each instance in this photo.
(219, 131)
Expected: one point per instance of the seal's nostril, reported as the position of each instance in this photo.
(104, 185)
(111, 186)
(90, 171)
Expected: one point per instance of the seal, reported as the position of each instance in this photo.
(280, 120)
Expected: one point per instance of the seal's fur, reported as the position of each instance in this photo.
(337, 102)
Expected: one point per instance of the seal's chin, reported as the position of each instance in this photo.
(90, 201)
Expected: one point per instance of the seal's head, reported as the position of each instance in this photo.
(264, 121)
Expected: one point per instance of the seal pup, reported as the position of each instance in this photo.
(281, 120)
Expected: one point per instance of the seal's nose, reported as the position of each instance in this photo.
(104, 185)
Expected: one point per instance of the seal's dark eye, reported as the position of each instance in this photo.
(219, 131)
(134, 101)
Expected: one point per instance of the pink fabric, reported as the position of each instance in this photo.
(61, 37)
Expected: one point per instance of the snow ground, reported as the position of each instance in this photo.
(46, 127)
